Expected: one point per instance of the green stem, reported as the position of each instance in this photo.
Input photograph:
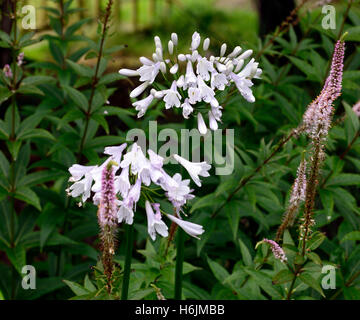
(127, 267)
(179, 263)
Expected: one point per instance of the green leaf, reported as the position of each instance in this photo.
(248, 261)
(77, 96)
(354, 235)
(76, 288)
(283, 276)
(311, 282)
(4, 165)
(35, 133)
(110, 77)
(28, 196)
(207, 201)
(354, 34)
(219, 271)
(81, 70)
(265, 282)
(352, 115)
(4, 94)
(314, 257)
(315, 241)
(17, 256)
(88, 285)
(36, 80)
(345, 179)
(30, 89)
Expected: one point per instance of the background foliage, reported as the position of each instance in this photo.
(52, 116)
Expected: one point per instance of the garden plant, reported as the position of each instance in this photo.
(185, 160)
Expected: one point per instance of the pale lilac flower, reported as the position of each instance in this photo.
(204, 67)
(81, 187)
(172, 97)
(190, 77)
(206, 44)
(142, 105)
(149, 71)
(155, 224)
(129, 72)
(201, 124)
(190, 228)
(20, 58)
(77, 171)
(174, 38)
(115, 152)
(125, 213)
(134, 158)
(195, 169)
(7, 71)
(139, 90)
(207, 94)
(194, 95)
(356, 108)
(276, 250)
(177, 190)
(218, 81)
(187, 109)
(122, 183)
(195, 41)
(212, 122)
(243, 85)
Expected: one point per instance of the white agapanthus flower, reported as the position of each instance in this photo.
(132, 170)
(195, 169)
(205, 75)
(190, 228)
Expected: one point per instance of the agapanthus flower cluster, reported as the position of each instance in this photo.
(205, 75)
(317, 118)
(132, 173)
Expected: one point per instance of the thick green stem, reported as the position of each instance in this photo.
(179, 263)
(128, 255)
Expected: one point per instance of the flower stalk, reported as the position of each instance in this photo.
(108, 221)
(129, 230)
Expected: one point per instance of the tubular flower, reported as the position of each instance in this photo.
(205, 75)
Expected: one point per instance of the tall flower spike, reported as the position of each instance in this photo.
(298, 193)
(317, 118)
(317, 121)
(107, 219)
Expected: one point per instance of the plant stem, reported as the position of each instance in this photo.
(179, 263)
(95, 78)
(127, 267)
(244, 181)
